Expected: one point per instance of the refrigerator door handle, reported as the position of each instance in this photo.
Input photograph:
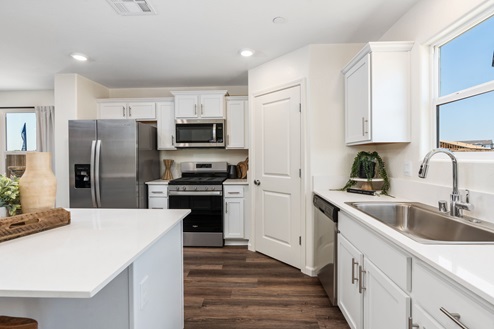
(93, 174)
(96, 169)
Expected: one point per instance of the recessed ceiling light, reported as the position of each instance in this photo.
(279, 20)
(246, 52)
(79, 57)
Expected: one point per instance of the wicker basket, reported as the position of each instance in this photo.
(30, 223)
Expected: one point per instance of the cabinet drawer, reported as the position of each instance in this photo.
(433, 292)
(233, 191)
(388, 258)
(157, 190)
(157, 203)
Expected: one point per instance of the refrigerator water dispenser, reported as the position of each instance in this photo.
(82, 176)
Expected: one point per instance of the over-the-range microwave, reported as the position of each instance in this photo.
(199, 133)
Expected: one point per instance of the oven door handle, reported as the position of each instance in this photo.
(194, 193)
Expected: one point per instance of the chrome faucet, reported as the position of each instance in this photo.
(456, 205)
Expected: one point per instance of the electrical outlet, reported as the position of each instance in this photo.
(407, 168)
(144, 291)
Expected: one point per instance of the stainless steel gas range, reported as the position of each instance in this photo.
(200, 189)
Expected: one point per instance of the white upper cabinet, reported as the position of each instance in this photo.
(199, 104)
(377, 94)
(111, 109)
(166, 125)
(237, 123)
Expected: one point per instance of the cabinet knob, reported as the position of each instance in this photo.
(257, 182)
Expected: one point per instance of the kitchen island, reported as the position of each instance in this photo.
(110, 268)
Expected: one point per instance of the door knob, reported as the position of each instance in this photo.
(257, 182)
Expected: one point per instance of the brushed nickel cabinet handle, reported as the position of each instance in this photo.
(123, 111)
(130, 111)
(361, 272)
(202, 109)
(226, 207)
(455, 317)
(195, 109)
(353, 270)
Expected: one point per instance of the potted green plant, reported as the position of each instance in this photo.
(9, 194)
(368, 165)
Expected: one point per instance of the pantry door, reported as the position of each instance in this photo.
(277, 181)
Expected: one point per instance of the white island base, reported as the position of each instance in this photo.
(108, 269)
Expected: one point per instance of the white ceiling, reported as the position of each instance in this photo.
(188, 43)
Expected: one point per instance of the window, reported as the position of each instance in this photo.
(18, 132)
(465, 96)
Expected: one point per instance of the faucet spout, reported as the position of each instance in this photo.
(425, 166)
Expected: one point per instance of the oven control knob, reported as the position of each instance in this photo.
(184, 188)
(207, 188)
(195, 188)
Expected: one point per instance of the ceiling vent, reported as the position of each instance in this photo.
(132, 7)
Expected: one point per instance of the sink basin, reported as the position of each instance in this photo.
(425, 224)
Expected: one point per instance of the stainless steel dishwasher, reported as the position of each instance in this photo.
(325, 245)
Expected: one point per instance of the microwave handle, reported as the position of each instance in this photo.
(214, 132)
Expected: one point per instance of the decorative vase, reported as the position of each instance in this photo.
(4, 212)
(168, 172)
(38, 185)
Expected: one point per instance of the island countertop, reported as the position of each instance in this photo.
(78, 260)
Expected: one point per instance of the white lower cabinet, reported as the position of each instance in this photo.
(385, 304)
(422, 320)
(450, 305)
(380, 286)
(350, 299)
(370, 296)
(158, 196)
(234, 212)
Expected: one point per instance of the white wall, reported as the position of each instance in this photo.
(26, 98)
(74, 99)
(231, 156)
(425, 21)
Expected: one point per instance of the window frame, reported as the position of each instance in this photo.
(3, 129)
(464, 24)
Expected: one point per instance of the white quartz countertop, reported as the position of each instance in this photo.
(79, 259)
(469, 265)
(158, 182)
(231, 181)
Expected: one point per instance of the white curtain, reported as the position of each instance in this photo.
(45, 130)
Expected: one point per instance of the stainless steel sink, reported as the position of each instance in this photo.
(425, 224)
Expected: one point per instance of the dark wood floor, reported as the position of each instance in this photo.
(234, 288)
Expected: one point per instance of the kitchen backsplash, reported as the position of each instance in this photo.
(197, 155)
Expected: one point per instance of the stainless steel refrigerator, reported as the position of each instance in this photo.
(110, 161)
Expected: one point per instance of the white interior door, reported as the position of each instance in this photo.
(277, 175)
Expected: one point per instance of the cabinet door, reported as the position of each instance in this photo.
(423, 320)
(234, 218)
(141, 111)
(186, 106)
(166, 125)
(235, 124)
(386, 306)
(212, 106)
(157, 203)
(358, 102)
(112, 111)
(350, 300)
